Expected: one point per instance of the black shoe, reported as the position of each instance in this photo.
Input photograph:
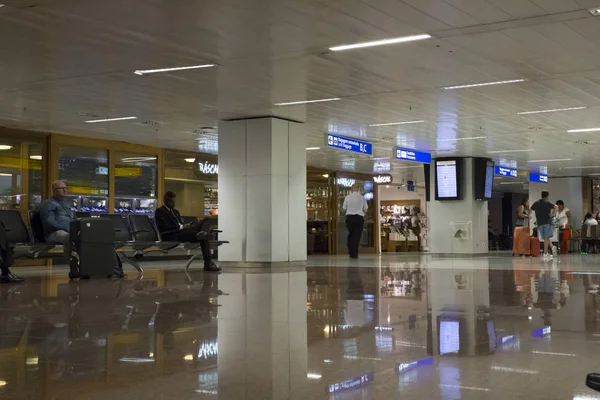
(354, 257)
(212, 268)
(119, 275)
(11, 278)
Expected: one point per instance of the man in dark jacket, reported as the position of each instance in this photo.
(172, 229)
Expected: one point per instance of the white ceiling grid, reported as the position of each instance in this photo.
(67, 61)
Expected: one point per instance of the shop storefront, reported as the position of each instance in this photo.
(326, 226)
(193, 177)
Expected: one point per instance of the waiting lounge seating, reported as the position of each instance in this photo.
(139, 237)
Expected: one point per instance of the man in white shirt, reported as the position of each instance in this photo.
(355, 206)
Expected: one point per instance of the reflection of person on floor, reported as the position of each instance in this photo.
(6, 259)
(171, 228)
(355, 206)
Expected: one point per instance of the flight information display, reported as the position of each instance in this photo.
(446, 174)
(489, 180)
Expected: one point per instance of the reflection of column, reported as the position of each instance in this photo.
(262, 335)
(459, 294)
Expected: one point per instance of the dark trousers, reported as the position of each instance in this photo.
(6, 254)
(188, 235)
(354, 224)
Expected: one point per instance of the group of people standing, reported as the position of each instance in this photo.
(547, 215)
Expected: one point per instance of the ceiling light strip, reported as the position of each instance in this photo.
(464, 138)
(95, 121)
(510, 151)
(553, 160)
(483, 84)
(383, 42)
(552, 110)
(293, 103)
(582, 167)
(399, 123)
(583, 130)
(156, 71)
(313, 148)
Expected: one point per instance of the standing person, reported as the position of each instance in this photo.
(586, 233)
(521, 237)
(564, 225)
(171, 228)
(544, 212)
(355, 207)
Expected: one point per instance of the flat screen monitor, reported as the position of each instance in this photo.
(448, 179)
(483, 178)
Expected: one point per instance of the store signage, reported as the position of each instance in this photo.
(343, 143)
(208, 168)
(504, 171)
(538, 178)
(352, 383)
(345, 182)
(101, 170)
(414, 156)
(404, 367)
(208, 349)
(383, 179)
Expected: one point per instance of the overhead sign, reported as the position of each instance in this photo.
(383, 179)
(352, 383)
(538, 178)
(414, 156)
(203, 167)
(504, 171)
(343, 143)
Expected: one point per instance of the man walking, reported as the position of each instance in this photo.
(355, 206)
(544, 211)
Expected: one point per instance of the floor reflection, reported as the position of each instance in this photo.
(416, 327)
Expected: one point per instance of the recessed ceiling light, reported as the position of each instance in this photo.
(399, 123)
(556, 159)
(5, 174)
(594, 11)
(584, 130)
(462, 138)
(313, 148)
(2, 383)
(94, 121)
(510, 151)
(483, 84)
(156, 71)
(312, 375)
(190, 160)
(293, 103)
(325, 175)
(137, 159)
(35, 157)
(5, 147)
(382, 42)
(552, 110)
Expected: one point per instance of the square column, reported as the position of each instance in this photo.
(262, 190)
(442, 215)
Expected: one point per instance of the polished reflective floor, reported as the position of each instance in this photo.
(410, 327)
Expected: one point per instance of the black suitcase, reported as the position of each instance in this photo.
(93, 240)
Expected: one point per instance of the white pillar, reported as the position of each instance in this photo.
(442, 215)
(262, 190)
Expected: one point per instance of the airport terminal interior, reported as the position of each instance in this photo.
(299, 199)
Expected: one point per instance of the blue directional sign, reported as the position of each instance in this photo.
(541, 332)
(538, 178)
(403, 367)
(414, 156)
(343, 143)
(504, 171)
(352, 383)
(500, 340)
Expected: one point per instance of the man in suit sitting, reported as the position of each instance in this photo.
(172, 229)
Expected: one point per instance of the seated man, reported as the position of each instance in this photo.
(171, 228)
(56, 215)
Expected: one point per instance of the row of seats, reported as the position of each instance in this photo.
(134, 237)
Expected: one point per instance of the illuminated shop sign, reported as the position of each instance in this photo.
(208, 349)
(541, 332)
(345, 182)
(343, 143)
(203, 167)
(384, 179)
(414, 156)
